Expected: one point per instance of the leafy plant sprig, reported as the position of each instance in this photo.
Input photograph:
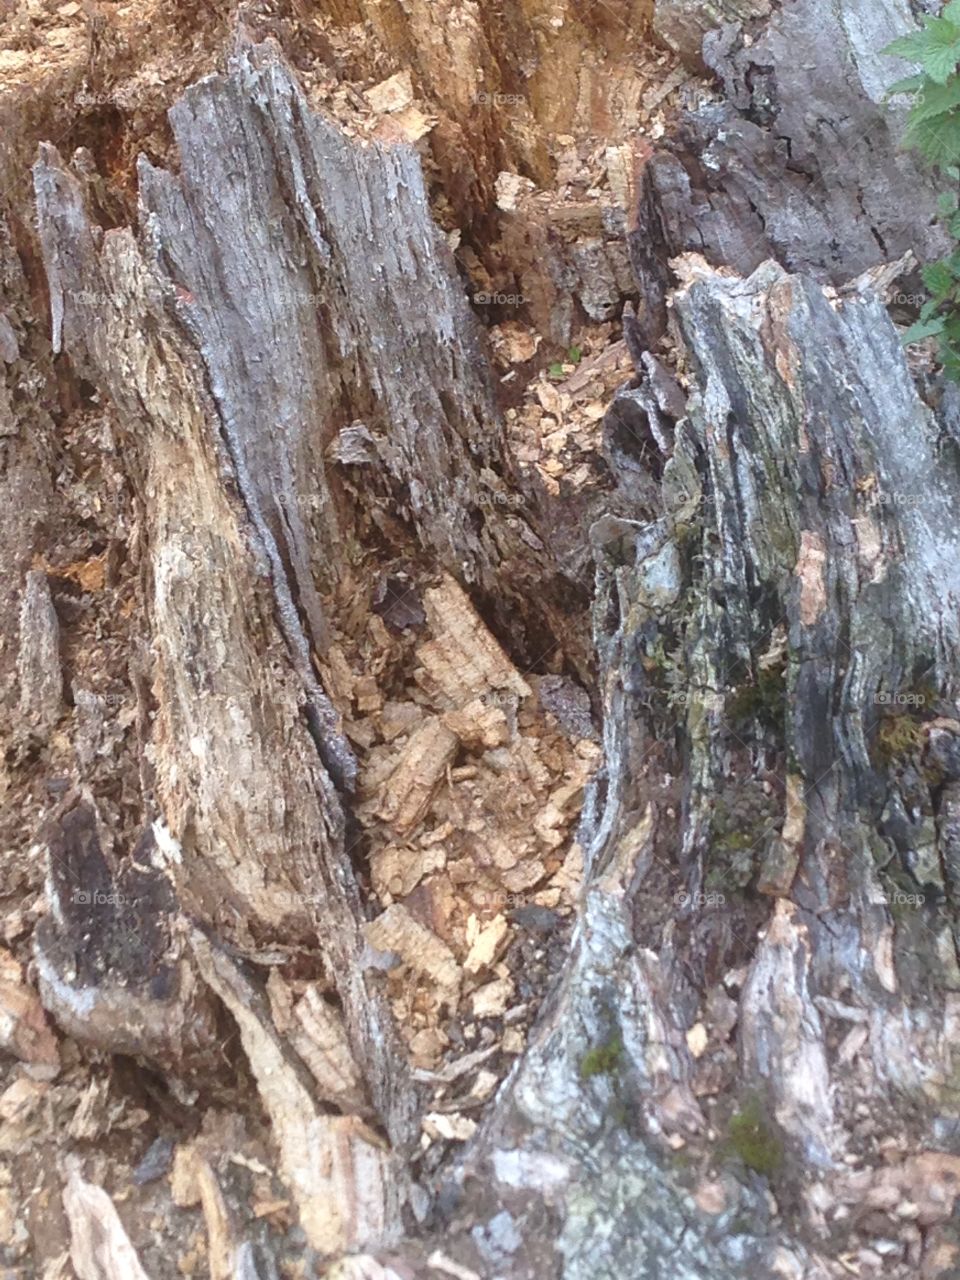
(933, 129)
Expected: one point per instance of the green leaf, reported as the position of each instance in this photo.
(937, 140)
(929, 309)
(936, 48)
(947, 204)
(910, 84)
(575, 355)
(938, 278)
(923, 329)
(556, 370)
(936, 100)
(952, 12)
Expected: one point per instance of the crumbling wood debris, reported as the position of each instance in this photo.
(395, 930)
(193, 1181)
(346, 1183)
(315, 1030)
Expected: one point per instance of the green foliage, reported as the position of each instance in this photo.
(936, 47)
(933, 129)
(573, 357)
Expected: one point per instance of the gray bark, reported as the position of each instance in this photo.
(794, 157)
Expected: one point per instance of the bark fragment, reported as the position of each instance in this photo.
(347, 1186)
(41, 676)
(797, 159)
(109, 958)
(23, 1025)
(99, 1247)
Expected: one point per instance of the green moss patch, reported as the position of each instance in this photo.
(897, 738)
(762, 702)
(753, 1136)
(602, 1060)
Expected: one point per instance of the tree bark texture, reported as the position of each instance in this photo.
(743, 1057)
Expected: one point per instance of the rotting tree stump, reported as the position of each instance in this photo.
(744, 1062)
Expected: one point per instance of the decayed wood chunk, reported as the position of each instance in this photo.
(780, 864)
(491, 1001)
(99, 1247)
(423, 762)
(791, 1041)
(396, 871)
(193, 1181)
(488, 945)
(462, 659)
(109, 954)
(23, 1023)
(396, 930)
(452, 1128)
(316, 1032)
(682, 24)
(392, 94)
(363, 1266)
(345, 1183)
(398, 718)
(246, 746)
(478, 725)
(552, 822)
(780, 186)
(19, 1101)
(38, 664)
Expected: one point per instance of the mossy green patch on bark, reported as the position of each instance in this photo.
(602, 1060)
(897, 738)
(742, 821)
(762, 701)
(754, 1137)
